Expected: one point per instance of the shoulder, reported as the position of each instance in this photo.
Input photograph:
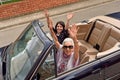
(60, 48)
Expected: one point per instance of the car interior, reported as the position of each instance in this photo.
(96, 39)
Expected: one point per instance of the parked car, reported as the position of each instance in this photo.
(31, 55)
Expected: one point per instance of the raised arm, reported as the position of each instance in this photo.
(50, 26)
(73, 32)
(69, 17)
(47, 16)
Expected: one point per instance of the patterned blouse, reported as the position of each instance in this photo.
(65, 62)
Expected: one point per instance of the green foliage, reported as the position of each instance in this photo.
(10, 1)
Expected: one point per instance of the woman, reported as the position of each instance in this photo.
(61, 30)
(68, 51)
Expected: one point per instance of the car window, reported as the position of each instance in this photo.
(24, 54)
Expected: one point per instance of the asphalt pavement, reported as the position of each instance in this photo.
(16, 21)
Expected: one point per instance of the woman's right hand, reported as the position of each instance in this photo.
(46, 14)
(49, 21)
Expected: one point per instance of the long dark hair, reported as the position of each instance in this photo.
(61, 23)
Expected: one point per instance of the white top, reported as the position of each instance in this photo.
(65, 62)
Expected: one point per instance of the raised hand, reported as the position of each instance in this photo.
(69, 16)
(49, 21)
(46, 14)
(73, 31)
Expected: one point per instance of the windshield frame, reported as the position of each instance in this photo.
(48, 45)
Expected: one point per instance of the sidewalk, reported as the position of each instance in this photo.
(55, 11)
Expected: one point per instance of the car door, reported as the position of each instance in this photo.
(111, 64)
(3, 54)
(2, 63)
(88, 71)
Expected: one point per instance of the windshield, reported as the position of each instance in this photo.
(24, 54)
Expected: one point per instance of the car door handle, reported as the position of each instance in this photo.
(96, 71)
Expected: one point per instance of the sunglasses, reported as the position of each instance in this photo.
(70, 47)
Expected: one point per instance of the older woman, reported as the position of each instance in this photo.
(68, 51)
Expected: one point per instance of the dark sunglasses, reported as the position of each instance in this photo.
(70, 47)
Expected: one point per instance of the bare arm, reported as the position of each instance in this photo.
(50, 26)
(55, 38)
(47, 16)
(73, 32)
(69, 17)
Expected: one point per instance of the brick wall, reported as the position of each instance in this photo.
(29, 6)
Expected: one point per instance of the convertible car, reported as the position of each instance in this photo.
(29, 53)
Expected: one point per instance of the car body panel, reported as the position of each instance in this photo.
(96, 69)
(111, 64)
(86, 70)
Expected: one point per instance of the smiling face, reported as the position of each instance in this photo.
(59, 28)
(68, 46)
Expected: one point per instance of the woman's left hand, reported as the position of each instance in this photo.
(73, 31)
(69, 16)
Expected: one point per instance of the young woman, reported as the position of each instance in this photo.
(68, 51)
(61, 30)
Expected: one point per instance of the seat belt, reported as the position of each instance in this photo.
(91, 31)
